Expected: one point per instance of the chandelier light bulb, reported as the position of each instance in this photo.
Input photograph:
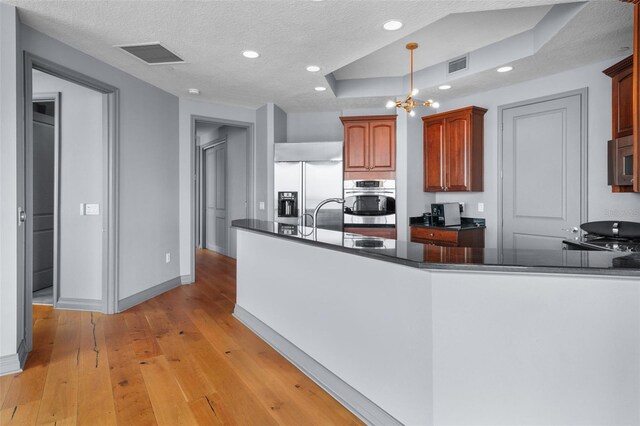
(415, 92)
(390, 104)
(435, 105)
(412, 113)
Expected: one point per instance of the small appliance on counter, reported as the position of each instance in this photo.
(445, 214)
(619, 236)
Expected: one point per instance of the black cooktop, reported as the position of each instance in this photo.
(599, 242)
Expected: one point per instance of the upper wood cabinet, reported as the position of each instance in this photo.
(622, 97)
(369, 143)
(454, 150)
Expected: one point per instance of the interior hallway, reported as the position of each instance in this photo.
(180, 358)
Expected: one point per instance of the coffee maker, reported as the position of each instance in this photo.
(287, 204)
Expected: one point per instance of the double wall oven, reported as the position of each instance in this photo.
(370, 203)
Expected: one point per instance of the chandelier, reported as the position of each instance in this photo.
(409, 103)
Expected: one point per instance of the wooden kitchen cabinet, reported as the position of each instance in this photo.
(389, 233)
(369, 143)
(622, 97)
(453, 154)
(621, 75)
(448, 237)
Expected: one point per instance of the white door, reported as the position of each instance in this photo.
(215, 198)
(541, 183)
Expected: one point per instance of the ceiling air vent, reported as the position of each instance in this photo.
(458, 64)
(152, 53)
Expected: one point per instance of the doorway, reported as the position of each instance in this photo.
(223, 153)
(543, 192)
(87, 171)
(44, 156)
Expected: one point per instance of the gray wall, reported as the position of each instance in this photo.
(314, 126)
(81, 181)
(279, 125)
(148, 199)
(602, 204)
(262, 141)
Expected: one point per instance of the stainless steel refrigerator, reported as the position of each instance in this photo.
(304, 175)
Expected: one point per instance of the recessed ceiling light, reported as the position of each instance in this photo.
(320, 89)
(444, 87)
(251, 54)
(313, 68)
(194, 91)
(505, 69)
(392, 25)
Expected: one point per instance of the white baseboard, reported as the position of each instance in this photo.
(147, 294)
(186, 279)
(14, 363)
(353, 400)
(79, 304)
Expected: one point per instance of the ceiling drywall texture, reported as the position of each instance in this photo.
(291, 34)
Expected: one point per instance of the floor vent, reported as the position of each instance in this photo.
(458, 64)
(152, 53)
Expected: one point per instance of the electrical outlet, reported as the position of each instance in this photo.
(480, 207)
(261, 205)
(461, 207)
(167, 257)
(82, 209)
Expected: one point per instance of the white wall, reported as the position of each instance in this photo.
(81, 181)
(224, 113)
(12, 329)
(148, 200)
(602, 204)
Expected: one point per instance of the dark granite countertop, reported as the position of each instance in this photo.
(466, 223)
(462, 227)
(457, 258)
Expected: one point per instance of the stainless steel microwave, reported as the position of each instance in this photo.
(620, 161)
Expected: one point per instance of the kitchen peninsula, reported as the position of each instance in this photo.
(550, 337)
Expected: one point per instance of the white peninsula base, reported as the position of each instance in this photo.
(397, 344)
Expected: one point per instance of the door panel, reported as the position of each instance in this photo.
(433, 149)
(356, 150)
(457, 147)
(220, 152)
(215, 198)
(541, 173)
(382, 146)
(323, 179)
(43, 201)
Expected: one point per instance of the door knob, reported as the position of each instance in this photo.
(573, 230)
(22, 216)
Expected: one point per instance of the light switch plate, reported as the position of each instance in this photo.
(480, 207)
(92, 209)
(261, 205)
(167, 257)
(82, 213)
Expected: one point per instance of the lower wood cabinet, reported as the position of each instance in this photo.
(448, 237)
(389, 233)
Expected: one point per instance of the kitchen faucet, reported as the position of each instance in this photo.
(322, 203)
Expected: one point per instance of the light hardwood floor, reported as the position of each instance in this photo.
(180, 358)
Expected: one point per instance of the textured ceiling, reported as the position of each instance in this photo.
(463, 33)
(291, 34)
